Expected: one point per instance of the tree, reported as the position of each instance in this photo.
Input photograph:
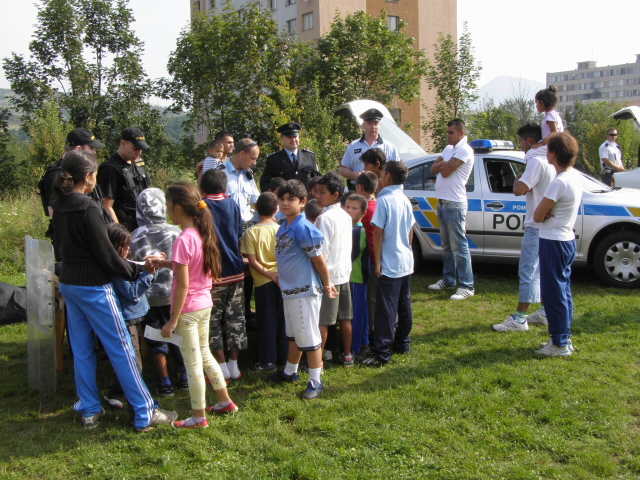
(361, 58)
(223, 66)
(521, 105)
(493, 122)
(453, 74)
(588, 123)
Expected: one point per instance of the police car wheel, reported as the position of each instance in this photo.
(617, 259)
(418, 259)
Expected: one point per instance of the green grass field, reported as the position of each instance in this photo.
(469, 403)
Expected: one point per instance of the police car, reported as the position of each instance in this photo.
(607, 228)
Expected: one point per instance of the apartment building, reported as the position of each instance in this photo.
(309, 19)
(589, 83)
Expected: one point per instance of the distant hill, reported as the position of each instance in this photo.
(173, 129)
(504, 87)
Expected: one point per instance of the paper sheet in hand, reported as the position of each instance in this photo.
(154, 334)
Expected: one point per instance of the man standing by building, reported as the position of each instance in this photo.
(122, 177)
(77, 139)
(533, 183)
(291, 162)
(453, 168)
(610, 157)
(351, 165)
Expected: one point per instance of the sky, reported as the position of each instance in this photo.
(509, 37)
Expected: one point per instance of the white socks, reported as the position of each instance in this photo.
(234, 371)
(314, 375)
(225, 370)
(291, 368)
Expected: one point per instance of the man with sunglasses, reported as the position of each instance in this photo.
(122, 177)
(241, 186)
(610, 157)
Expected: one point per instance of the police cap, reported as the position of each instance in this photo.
(372, 115)
(289, 129)
(135, 136)
(82, 136)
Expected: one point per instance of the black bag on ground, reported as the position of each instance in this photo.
(13, 304)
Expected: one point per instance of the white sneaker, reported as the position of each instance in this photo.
(569, 345)
(551, 350)
(461, 294)
(537, 317)
(511, 325)
(439, 285)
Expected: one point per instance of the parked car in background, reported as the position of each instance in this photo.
(630, 178)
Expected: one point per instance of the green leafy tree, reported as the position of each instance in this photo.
(221, 70)
(361, 58)
(453, 74)
(493, 122)
(588, 123)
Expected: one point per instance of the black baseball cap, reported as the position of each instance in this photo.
(82, 136)
(289, 129)
(135, 136)
(372, 115)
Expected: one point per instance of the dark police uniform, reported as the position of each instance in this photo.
(123, 182)
(279, 163)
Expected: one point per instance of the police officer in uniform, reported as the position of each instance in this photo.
(291, 162)
(122, 177)
(351, 165)
(77, 139)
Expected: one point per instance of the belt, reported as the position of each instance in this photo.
(442, 202)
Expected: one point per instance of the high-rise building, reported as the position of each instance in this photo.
(589, 83)
(309, 19)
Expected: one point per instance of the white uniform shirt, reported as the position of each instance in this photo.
(566, 191)
(537, 176)
(355, 149)
(453, 187)
(336, 226)
(611, 151)
(242, 189)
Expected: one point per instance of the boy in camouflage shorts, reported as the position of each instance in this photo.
(228, 291)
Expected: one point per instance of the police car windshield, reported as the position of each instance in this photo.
(407, 148)
(591, 185)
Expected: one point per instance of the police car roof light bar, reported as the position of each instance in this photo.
(485, 144)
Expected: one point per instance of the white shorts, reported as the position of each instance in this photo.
(301, 319)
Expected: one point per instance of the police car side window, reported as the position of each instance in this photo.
(471, 180)
(501, 174)
(415, 178)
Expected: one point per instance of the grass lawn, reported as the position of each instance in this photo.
(469, 403)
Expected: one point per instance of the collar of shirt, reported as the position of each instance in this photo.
(611, 144)
(215, 196)
(460, 143)
(331, 207)
(379, 140)
(390, 190)
(290, 153)
(230, 168)
(285, 227)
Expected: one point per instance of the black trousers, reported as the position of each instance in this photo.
(273, 345)
(393, 318)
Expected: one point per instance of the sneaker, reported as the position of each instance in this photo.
(165, 390)
(364, 349)
(93, 420)
(347, 360)
(537, 317)
(439, 285)
(158, 417)
(263, 367)
(569, 344)
(113, 402)
(327, 356)
(183, 383)
(231, 408)
(511, 325)
(461, 294)
(281, 377)
(551, 350)
(312, 392)
(402, 351)
(183, 424)
(371, 360)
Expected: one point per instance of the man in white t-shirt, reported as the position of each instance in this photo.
(610, 157)
(453, 168)
(532, 183)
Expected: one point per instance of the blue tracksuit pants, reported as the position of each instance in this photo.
(95, 311)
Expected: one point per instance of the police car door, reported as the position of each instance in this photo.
(503, 212)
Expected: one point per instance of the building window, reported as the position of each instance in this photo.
(212, 4)
(289, 2)
(200, 129)
(392, 23)
(396, 113)
(291, 26)
(307, 21)
(273, 4)
(195, 7)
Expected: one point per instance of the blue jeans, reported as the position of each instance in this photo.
(556, 258)
(529, 267)
(455, 248)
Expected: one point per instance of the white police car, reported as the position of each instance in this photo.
(607, 228)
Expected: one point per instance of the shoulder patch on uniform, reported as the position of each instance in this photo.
(222, 166)
(308, 151)
(273, 153)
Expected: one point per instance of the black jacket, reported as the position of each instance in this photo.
(279, 165)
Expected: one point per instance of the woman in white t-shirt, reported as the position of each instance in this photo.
(546, 101)
(558, 211)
